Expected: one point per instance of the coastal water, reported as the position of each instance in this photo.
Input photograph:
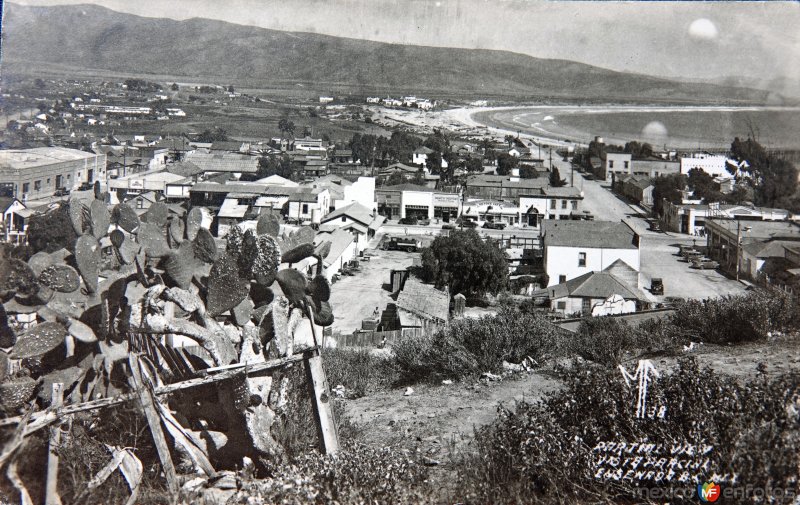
(670, 127)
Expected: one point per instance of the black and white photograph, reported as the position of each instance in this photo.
(370, 252)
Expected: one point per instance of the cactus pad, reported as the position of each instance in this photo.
(61, 278)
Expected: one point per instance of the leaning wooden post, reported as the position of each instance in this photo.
(323, 407)
(154, 421)
(51, 485)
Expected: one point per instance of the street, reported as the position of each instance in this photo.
(658, 249)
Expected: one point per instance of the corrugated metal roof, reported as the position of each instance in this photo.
(424, 300)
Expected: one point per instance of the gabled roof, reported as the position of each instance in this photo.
(339, 239)
(423, 150)
(355, 211)
(184, 168)
(768, 249)
(593, 285)
(424, 300)
(224, 162)
(589, 234)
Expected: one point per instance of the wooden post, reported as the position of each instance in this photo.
(323, 408)
(154, 421)
(51, 485)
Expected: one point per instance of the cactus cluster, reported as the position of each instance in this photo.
(162, 274)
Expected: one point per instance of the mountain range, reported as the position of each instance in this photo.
(93, 37)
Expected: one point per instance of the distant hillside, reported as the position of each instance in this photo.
(88, 36)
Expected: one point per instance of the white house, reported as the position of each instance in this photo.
(361, 221)
(362, 191)
(574, 248)
(549, 203)
(420, 157)
(343, 250)
(309, 205)
(593, 293)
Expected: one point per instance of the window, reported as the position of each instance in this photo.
(586, 305)
(574, 204)
(610, 163)
(626, 164)
(582, 259)
(562, 279)
(48, 181)
(305, 208)
(553, 204)
(26, 187)
(344, 218)
(37, 185)
(563, 204)
(561, 305)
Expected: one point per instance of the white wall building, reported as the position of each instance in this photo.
(362, 191)
(574, 248)
(712, 164)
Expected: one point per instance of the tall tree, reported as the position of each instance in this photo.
(555, 178)
(669, 188)
(774, 180)
(465, 263)
(505, 163)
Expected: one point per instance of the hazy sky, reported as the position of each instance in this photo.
(676, 39)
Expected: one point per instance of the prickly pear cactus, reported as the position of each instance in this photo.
(87, 257)
(61, 278)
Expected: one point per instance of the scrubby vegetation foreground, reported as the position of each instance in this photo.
(544, 452)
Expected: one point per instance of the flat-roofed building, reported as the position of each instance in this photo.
(29, 174)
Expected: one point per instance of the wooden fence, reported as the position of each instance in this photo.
(367, 338)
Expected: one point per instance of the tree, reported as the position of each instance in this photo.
(215, 135)
(669, 188)
(638, 150)
(505, 163)
(286, 127)
(774, 180)
(434, 162)
(51, 231)
(175, 86)
(474, 164)
(510, 140)
(704, 187)
(273, 165)
(555, 178)
(230, 89)
(464, 263)
(438, 141)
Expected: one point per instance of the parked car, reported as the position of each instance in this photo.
(85, 186)
(408, 220)
(469, 224)
(61, 192)
(690, 254)
(403, 244)
(494, 226)
(424, 222)
(657, 286)
(705, 264)
(448, 226)
(654, 226)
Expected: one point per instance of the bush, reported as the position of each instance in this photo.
(359, 474)
(470, 346)
(359, 371)
(603, 340)
(543, 452)
(734, 319)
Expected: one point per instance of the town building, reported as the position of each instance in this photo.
(550, 203)
(574, 248)
(29, 174)
(361, 221)
(593, 294)
(726, 239)
(614, 165)
(502, 187)
(409, 200)
(230, 163)
(419, 307)
(637, 188)
(712, 164)
(343, 250)
(691, 218)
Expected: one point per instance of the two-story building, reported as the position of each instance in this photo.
(550, 203)
(30, 174)
(574, 248)
(409, 200)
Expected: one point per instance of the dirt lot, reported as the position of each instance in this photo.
(355, 297)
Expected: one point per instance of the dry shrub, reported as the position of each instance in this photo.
(543, 452)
